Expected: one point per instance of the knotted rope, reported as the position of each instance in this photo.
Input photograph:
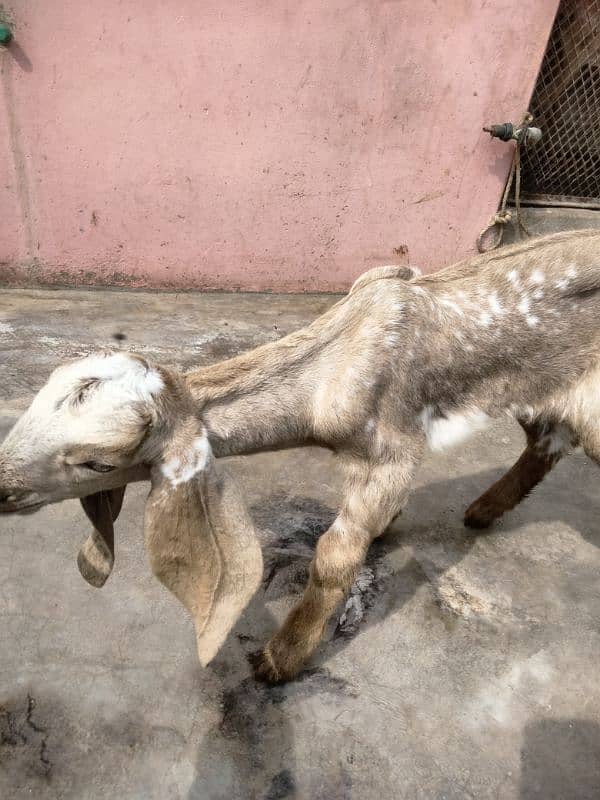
(502, 217)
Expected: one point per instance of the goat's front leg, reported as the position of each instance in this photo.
(375, 495)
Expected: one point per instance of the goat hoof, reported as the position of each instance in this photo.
(265, 669)
(479, 517)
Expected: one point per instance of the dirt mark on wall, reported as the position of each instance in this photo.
(7, 66)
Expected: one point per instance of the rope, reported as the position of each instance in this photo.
(502, 217)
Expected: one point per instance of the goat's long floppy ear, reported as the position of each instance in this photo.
(202, 544)
(97, 554)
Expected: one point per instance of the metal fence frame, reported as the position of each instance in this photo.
(564, 168)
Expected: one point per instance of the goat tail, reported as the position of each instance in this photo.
(382, 273)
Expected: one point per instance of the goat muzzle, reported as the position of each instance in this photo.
(13, 501)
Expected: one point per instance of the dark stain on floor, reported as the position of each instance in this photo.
(24, 738)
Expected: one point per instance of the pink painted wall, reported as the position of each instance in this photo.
(259, 145)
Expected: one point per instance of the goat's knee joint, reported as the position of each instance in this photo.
(337, 560)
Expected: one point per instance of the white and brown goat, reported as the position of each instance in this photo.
(394, 367)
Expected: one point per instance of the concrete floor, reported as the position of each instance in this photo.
(466, 667)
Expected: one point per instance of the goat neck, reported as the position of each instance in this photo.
(263, 399)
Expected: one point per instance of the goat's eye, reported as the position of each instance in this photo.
(98, 467)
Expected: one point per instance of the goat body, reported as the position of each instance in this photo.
(399, 366)
(436, 356)
(395, 367)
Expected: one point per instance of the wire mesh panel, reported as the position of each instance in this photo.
(566, 106)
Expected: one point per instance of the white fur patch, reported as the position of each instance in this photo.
(526, 413)
(94, 401)
(455, 427)
(524, 305)
(121, 377)
(559, 440)
(181, 469)
(495, 303)
(513, 277)
(111, 388)
(445, 301)
(537, 277)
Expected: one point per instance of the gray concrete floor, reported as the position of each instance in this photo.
(467, 666)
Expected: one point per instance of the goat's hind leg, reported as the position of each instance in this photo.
(546, 444)
(375, 495)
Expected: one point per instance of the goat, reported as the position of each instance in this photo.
(393, 368)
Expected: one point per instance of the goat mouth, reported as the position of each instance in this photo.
(30, 509)
(21, 507)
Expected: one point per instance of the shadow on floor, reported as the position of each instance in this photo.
(254, 717)
(295, 524)
(560, 760)
(250, 753)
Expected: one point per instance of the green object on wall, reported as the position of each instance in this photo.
(5, 34)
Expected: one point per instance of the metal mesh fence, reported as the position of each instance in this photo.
(566, 106)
